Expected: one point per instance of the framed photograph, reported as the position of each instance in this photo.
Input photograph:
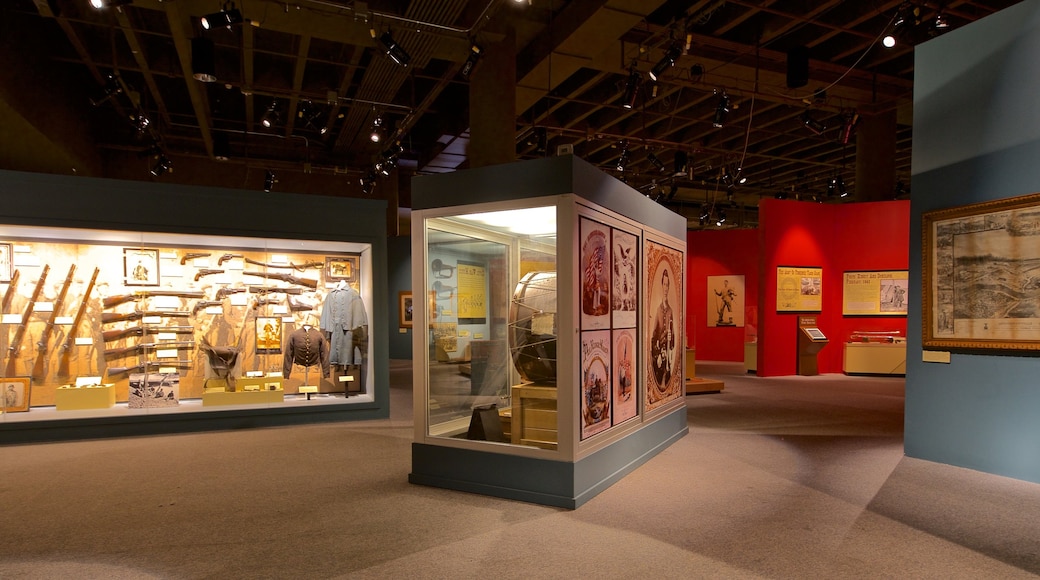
(981, 272)
(594, 256)
(5, 263)
(799, 289)
(346, 268)
(14, 394)
(625, 295)
(882, 293)
(268, 335)
(140, 267)
(725, 301)
(663, 331)
(404, 310)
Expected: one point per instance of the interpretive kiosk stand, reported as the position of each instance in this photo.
(811, 341)
(571, 306)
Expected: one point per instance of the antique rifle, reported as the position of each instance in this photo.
(177, 364)
(226, 291)
(207, 272)
(39, 369)
(107, 317)
(192, 255)
(12, 288)
(111, 301)
(139, 348)
(112, 335)
(307, 265)
(312, 284)
(274, 290)
(70, 336)
(202, 304)
(12, 357)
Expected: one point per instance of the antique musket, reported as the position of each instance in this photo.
(16, 342)
(70, 336)
(139, 348)
(177, 364)
(306, 282)
(12, 288)
(107, 317)
(39, 365)
(111, 301)
(112, 335)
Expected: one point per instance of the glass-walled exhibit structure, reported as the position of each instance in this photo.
(549, 340)
(133, 328)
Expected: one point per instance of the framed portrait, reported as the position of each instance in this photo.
(5, 263)
(875, 293)
(663, 329)
(981, 272)
(625, 294)
(799, 289)
(268, 335)
(594, 260)
(404, 310)
(346, 268)
(140, 267)
(14, 394)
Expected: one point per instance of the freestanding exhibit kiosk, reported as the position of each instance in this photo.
(549, 274)
(811, 341)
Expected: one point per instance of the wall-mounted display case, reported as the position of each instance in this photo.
(553, 332)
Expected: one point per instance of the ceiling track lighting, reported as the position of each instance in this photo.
(111, 88)
(228, 16)
(631, 89)
(377, 130)
(221, 147)
(140, 122)
(657, 163)
(269, 181)
(720, 218)
(203, 60)
(814, 126)
(162, 166)
(393, 50)
(471, 61)
(622, 161)
(722, 109)
(682, 164)
(271, 115)
(666, 62)
(102, 4)
(851, 120)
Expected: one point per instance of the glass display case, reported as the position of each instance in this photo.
(551, 331)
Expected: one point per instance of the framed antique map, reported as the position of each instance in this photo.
(981, 272)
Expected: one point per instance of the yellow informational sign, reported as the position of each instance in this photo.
(472, 293)
(799, 289)
(882, 293)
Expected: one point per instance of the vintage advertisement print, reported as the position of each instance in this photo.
(875, 293)
(625, 294)
(595, 382)
(624, 374)
(664, 324)
(982, 275)
(726, 301)
(595, 275)
(799, 289)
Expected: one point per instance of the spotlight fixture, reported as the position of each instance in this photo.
(722, 109)
(393, 50)
(100, 4)
(221, 147)
(940, 23)
(140, 122)
(908, 17)
(682, 163)
(203, 61)
(377, 130)
(851, 120)
(271, 115)
(471, 61)
(657, 163)
(705, 213)
(631, 89)
(228, 16)
(815, 127)
(269, 181)
(112, 88)
(162, 166)
(889, 41)
(666, 62)
(720, 218)
(622, 161)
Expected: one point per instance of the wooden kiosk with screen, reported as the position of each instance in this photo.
(811, 341)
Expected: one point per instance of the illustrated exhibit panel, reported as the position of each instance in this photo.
(160, 322)
(799, 289)
(663, 345)
(982, 275)
(875, 293)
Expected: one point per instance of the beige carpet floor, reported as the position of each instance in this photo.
(778, 478)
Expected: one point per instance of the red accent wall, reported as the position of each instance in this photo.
(720, 253)
(837, 238)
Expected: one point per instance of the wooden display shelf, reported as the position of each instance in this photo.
(534, 417)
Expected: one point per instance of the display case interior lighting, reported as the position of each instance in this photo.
(100, 4)
(534, 221)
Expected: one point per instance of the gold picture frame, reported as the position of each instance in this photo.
(15, 393)
(404, 309)
(981, 276)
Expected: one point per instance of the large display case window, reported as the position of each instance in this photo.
(491, 280)
(114, 322)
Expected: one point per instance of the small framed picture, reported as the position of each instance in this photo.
(14, 394)
(5, 263)
(404, 316)
(268, 335)
(344, 268)
(140, 267)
